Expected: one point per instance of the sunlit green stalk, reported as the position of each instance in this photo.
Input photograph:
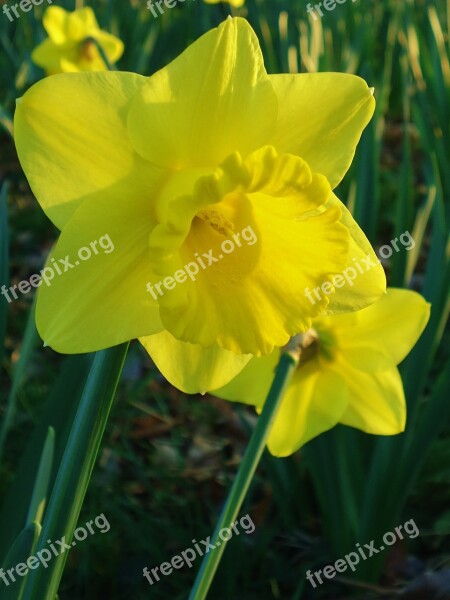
(285, 369)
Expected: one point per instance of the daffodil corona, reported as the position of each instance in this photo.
(347, 373)
(170, 166)
(72, 42)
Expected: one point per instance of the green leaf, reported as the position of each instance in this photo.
(41, 484)
(30, 341)
(76, 467)
(4, 263)
(418, 232)
(6, 121)
(19, 553)
(58, 413)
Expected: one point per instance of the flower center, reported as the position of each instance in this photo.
(88, 50)
(217, 197)
(310, 345)
(217, 221)
(197, 208)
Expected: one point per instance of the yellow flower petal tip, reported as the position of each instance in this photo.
(347, 373)
(75, 43)
(234, 3)
(214, 182)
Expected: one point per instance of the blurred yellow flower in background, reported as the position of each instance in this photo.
(347, 373)
(70, 46)
(235, 3)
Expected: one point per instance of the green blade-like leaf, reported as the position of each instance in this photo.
(59, 412)
(418, 233)
(435, 415)
(6, 122)
(30, 342)
(4, 263)
(76, 467)
(41, 484)
(19, 553)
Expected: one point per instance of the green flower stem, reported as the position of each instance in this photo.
(285, 369)
(92, 40)
(76, 468)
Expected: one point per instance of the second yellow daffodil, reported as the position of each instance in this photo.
(70, 46)
(347, 373)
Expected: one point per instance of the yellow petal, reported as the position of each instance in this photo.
(363, 281)
(376, 401)
(363, 357)
(54, 21)
(72, 65)
(101, 301)
(75, 26)
(313, 403)
(321, 117)
(391, 326)
(81, 23)
(47, 55)
(191, 368)
(111, 45)
(212, 100)
(253, 383)
(70, 149)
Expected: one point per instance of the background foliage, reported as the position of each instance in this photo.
(167, 460)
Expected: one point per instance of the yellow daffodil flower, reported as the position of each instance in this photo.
(235, 3)
(172, 167)
(69, 47)
(347, 373)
